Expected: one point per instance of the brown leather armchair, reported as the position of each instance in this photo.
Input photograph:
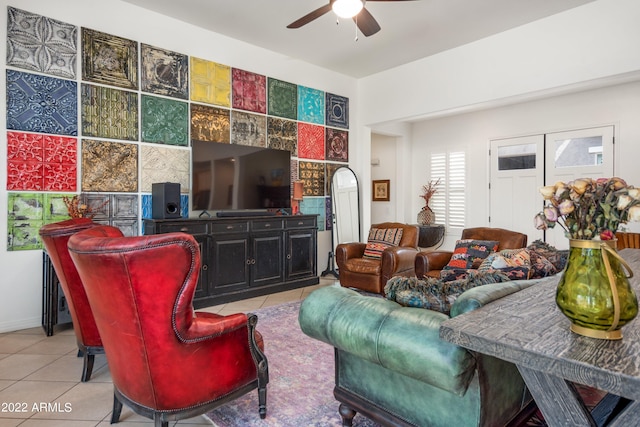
(167, 362)
(430, 263)
(371, 275)
(55, 237)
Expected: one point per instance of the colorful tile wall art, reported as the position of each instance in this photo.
(337, 111)
(249, 91)
(210, 82)
(283, 99)
(164, 72)
(26, 216)
(311, 105)
(310, 141)
(328, 214)
(282, 134)
(315, 206)
(41, 162)
(109, 112)
(165, 121)
(248, 129)
(27, 212)
(109, 59)
(41, 44)
(109, 166)
(337, 145)
(330, 169)
(210, 124)
(37, 103)
(312, 173)
(118, 210)
(164, 164)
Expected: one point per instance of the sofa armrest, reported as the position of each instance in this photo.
(482, 295)
(401, 339)
(428, 261)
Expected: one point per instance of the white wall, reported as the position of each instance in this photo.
(615, 105)
(21, 283)
(383, 152)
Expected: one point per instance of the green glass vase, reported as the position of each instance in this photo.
(594, 291)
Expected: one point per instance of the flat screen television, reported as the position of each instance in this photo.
(232, 177)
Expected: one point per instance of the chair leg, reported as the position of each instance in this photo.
(87, 367)
(117, 409)
(157, 420)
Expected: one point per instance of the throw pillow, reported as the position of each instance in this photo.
(515, 263)
(380, 239)
(435, 294)
(470, 253)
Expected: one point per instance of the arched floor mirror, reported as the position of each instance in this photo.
(345, 212)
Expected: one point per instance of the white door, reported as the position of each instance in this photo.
(517, 166)
(584, 153)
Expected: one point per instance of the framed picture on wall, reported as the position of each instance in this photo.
(381, 190)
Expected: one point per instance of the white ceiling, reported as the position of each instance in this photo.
(410, 29)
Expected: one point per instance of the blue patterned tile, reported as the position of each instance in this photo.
(337, 111)
(310, 105)
(42, 104)
(146, 206)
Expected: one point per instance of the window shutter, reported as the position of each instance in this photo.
(449, 202)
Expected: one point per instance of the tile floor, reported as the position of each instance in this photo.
(36, 369)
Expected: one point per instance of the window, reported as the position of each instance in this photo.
(449, 201)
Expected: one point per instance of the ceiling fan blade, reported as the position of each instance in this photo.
(310, 16)
(366, 23)
(390, 0)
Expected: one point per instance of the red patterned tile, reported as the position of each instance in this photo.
(249, 91)
(26, 147)
(59, 177)
(310, 141)
(60, 149)
(24, 175)
(41, 162)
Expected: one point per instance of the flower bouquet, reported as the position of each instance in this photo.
(590, 209)
(594, 291)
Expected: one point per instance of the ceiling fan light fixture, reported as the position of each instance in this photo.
(347, 8)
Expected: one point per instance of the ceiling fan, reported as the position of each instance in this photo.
(354, 9)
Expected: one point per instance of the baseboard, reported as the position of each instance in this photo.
(17, 325)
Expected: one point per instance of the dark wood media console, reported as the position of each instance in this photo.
(245, 257)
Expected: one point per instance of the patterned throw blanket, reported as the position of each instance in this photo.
(436, 294)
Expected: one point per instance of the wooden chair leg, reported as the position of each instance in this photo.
(117, 409)
(347, 415)
(87, 367)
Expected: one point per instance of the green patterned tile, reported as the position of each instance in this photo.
(165, 121)
(109, 113)
(283, 99)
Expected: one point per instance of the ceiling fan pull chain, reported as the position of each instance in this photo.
(356, 29)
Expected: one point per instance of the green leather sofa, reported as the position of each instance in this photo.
(392, 367)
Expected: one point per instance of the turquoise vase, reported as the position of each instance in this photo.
(594, 291)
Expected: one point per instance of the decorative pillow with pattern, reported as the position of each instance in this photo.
(380, 239)
(470, 253)
(515, 263)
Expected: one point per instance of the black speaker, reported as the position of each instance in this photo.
(165, 200)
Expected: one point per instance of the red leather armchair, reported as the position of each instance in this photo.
(431, 263)
(55, 237)
(167, 362)
(371, 274)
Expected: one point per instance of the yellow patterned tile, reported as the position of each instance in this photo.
(210, 82)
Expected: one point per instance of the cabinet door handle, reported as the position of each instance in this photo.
(253, 261)
(300, 222)
(205, 267)
(267, 225)
(288, 256)
(184, 229)
(248, 262)
(229, 227)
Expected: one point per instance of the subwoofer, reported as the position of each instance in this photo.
(165, 200)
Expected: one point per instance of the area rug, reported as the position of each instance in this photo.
(301, 373)
(301, 379)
